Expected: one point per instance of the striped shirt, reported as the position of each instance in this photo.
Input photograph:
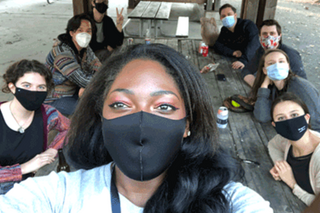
(68, 73)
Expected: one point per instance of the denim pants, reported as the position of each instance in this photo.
(66, 105)
(6, 186)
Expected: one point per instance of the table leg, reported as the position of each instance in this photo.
(149, 26)
(141, 28)
(158, 23)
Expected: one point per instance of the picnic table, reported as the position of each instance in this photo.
(244, 137)
(154, 13)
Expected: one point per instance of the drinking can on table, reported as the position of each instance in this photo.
(201, 44)
(205, 50)
(147, 40)
(222, 117)
(130, 41)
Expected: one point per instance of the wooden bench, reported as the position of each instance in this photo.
(154, 13)
(182, 27)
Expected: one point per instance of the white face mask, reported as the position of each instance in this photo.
(83, 39)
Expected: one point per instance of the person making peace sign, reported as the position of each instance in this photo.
(108, 35)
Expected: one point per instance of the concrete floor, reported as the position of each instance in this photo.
(28, 27)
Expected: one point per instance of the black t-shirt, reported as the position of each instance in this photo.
(20, 148)
(300, 168)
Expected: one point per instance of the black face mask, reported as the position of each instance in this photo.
(143, 145)
(101, 7)
(292, 129)
(30, 100)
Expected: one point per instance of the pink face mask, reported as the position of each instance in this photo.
(269, 42)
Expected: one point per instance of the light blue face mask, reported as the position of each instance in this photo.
(228, 21)
(278, 71)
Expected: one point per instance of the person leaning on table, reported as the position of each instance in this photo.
(145, 124)
(274, 77)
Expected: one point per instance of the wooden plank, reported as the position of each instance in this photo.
(183, 1)
(164, 11)
(186, 48)
(225, 137)
(258, 10)
(216, 5)
(79, 6)
(209, 5)
(151, 10)
(161, 41)
(139, 10)
(183, 27)
(269, 10)
(252, 10)
(132, 3)
(173, 43)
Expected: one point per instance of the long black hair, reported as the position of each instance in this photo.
(195, 180)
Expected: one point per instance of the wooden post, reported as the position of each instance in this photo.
(80, 6)
(258, 10)
(132, 3)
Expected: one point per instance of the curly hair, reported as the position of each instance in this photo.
(19, 68)
(195, 180)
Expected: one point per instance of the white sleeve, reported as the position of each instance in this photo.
(34, 195)
(243, 199)
(276, 148)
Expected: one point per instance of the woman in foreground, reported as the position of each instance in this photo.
(147, 121)
(295, 151)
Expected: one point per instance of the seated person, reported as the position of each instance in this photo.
(108, 35)
(271, 38)
(238, 37)
(152, 133)
(295, 150)
(72, 63)
(274, 77)
(25, 123)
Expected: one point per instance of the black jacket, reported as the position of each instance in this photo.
(244, 38)
(112, 37)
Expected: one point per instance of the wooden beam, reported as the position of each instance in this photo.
(80, 6)
(249, 9)
(258, 10)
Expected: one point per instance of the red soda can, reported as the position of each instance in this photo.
(205, 50)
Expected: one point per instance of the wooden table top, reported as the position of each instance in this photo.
(151, 10)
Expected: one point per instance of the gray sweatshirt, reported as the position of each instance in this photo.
(89, 191)
(298, 86)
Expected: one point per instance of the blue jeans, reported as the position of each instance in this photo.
(6, 186)
(66, 105)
